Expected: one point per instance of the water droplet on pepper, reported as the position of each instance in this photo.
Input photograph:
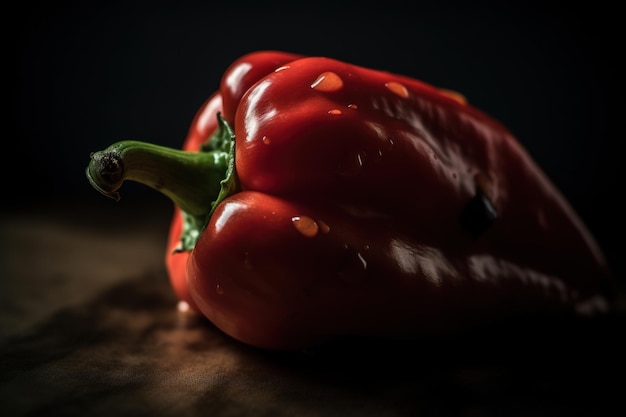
(219, 289)
(266, 140)
(324, 228)
(398, 89)
(353, 106)
(334, 111)
(327, 81)
(351, 164)
(305, 225)
(454, 95)
(484, 184)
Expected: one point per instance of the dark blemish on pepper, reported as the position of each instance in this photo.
(478, 215)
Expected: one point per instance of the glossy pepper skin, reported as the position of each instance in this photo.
(368, 203)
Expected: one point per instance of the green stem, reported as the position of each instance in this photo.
(190, 179)
(195, 181)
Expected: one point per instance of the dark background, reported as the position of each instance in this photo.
(86, 74)
(88, 324)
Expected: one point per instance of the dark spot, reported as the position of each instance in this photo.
(478, 215)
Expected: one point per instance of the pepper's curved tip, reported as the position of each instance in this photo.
(104, 174)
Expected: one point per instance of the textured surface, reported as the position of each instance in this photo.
(89, 326)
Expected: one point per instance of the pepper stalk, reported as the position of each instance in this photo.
(196, 182)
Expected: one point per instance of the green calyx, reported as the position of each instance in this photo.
(195, 181)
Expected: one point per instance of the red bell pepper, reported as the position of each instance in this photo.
(315, 198)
